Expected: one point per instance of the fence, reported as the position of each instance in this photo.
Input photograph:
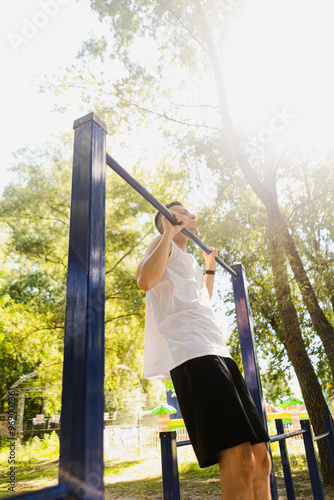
(121, 440)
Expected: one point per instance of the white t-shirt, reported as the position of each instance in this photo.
(179, 322)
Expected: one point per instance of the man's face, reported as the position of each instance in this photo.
(189, 218)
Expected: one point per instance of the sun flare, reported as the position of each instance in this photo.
(280, 56)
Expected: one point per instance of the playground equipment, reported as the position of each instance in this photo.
(81, 436)
(170, 476)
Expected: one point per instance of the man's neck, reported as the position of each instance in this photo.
(181, 240)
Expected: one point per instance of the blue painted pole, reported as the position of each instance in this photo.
(285, 462)
(317, 488)
(247, 341)
(81, 433)
(170, 473)
(249, 354)
(328, 421)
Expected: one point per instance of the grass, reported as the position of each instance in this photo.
(132, 477)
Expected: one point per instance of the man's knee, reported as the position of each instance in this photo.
(238, 460)
(262, 459)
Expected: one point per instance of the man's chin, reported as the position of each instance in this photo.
(192, 228)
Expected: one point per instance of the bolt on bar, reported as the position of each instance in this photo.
(161, 208)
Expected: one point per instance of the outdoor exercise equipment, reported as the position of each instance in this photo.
(161, 208)
(81, 434)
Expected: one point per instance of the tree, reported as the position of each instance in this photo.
(35, 220)
(188, 36)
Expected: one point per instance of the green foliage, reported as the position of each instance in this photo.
(179, 93)
(35, 217)
(34, 450)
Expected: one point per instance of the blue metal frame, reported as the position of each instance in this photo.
(285, 462)
(249, 354)
(317, 489)
(247, 341)
(170, 468)
(170, 474)
(328, 421)
(81, 432)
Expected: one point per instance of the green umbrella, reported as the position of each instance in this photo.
(163, 409)
(291, 401)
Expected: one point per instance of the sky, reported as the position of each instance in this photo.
(278, 68)
(37, 36)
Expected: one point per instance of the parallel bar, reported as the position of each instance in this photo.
(170, 473)
(282, 437)
(317, 488)
(183, 443)
(161, 208)
(317, 438)
(285, 462)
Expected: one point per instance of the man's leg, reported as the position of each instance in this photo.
(237, 470)
(262, 472)
(244, 472)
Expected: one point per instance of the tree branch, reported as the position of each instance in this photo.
(180, 21)
(249, 173)
(123, 316)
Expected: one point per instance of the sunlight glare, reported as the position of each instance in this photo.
(283, 58)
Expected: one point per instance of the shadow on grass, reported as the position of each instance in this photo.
(118, 467)
(195, 483)
(144, 488)
(193, 470)
(31, 476)
(191, 487)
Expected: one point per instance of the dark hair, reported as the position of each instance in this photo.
(157, 220)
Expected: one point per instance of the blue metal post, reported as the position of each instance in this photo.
(81, 434)
(170, 473)
(317, 489)
(249, 355)
(285, 462)
(328, 421)
(172, 400)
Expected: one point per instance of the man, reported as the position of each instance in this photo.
(184, 343)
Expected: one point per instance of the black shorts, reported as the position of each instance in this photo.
(216, 406)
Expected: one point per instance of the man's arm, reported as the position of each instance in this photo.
(210, 265)
(152, 267)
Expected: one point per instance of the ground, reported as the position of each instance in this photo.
(135, 478)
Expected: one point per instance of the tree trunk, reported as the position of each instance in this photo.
(314, 399)
(321, 324)
(294, 343)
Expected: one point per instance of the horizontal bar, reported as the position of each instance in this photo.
(161, 208)
(280, 437)
(183, 443)
(316, 438)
